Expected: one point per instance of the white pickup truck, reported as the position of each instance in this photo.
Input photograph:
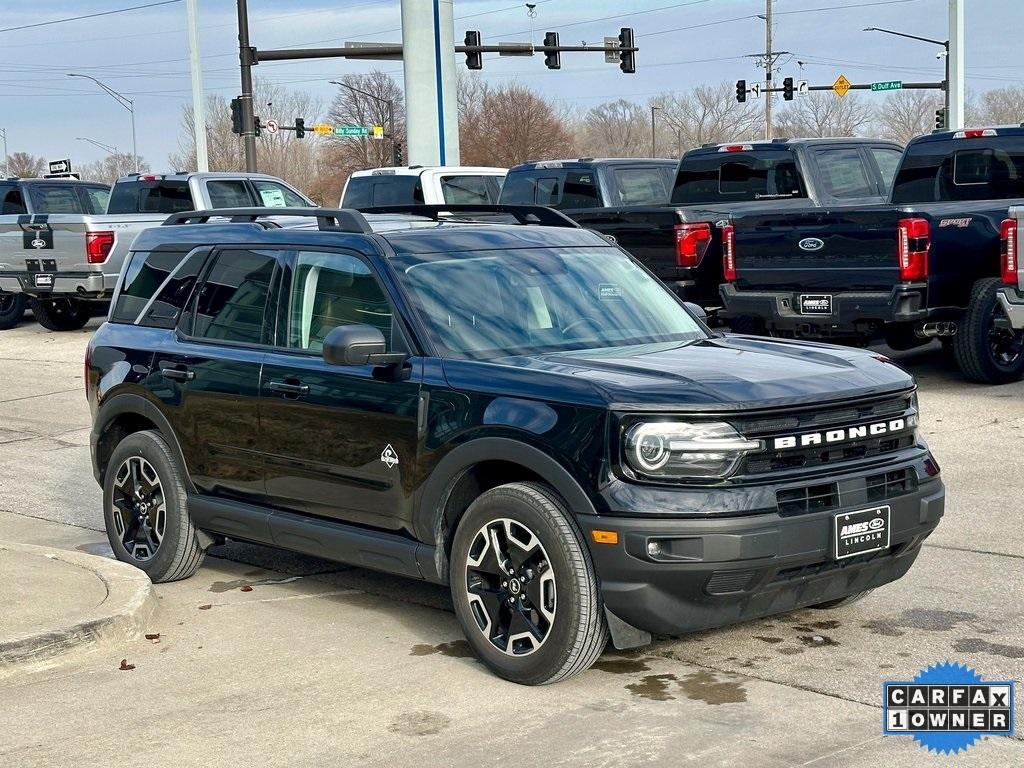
(65, 262)
(423, 185)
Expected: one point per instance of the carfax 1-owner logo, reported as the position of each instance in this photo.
(947, 708)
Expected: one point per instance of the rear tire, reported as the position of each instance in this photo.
(548, 628)
(987, 349)
(145, 509)
(12, 309)
(61, 314)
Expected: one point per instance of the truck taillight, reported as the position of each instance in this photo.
(729, 253)
(692, 242)
(1008, 251)
(914, 242)
(97, 246)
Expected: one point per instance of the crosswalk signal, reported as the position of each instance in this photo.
(627, 58)
(552, 59)
(741, 91)
(787, 89)
(300, 127)
(236, 116)
(940, 119)
(474, 59)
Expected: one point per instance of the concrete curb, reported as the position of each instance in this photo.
(123, 614)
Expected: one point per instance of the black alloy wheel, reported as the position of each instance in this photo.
(140, 518)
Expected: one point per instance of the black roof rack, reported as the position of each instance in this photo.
(536, 215)
(334, 219)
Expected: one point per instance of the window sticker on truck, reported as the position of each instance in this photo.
(609, 292)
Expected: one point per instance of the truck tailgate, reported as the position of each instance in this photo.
(819, 249)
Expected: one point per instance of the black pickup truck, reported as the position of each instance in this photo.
(669, 221)
(923, 265)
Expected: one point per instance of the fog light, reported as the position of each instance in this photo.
(654, 548)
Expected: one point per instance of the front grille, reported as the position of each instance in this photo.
(813, 498)
(817, 455)
(890, 484)
(725, 582)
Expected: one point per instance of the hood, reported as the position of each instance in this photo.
(729, 373)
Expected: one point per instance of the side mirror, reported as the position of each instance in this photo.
(358, 345)
(697, 310)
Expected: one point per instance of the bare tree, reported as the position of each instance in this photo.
(25, 166)
(112, 167)
(616, 129)
(906, 114)
(352, 106)
(705, 114)
(822, 114)
(1002, 106)
(224, 148)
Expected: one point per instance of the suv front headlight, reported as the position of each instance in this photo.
(667, 450)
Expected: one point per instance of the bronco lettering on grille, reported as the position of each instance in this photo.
(833, 436)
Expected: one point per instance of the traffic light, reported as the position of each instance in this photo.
(627, 59)
(940, 119)
(741, 91)
(787, 89)
(236, 116)
(552, 59)
(397, 155)
(474, 59)
(300, 127)
(257, 128)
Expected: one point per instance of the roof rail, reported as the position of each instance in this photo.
(335, 219)
(537, 215)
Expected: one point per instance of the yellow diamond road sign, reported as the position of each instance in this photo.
(841, 86)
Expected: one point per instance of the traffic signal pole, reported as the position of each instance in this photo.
(246, 56)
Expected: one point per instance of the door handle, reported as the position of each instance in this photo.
(178, 374)
(295, 389)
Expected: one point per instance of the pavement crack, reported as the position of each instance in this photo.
(50, 520)
(41, 394)
(974, 551)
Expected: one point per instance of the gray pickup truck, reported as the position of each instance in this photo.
(66, 260)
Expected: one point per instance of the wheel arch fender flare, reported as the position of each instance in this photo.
(129, 403)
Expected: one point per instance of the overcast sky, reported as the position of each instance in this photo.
(144, 53)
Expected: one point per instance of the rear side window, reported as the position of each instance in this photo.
(469, 190)
(274, 195)
(159, 284)
(228, 194)
(738, 176)
(232, 301)
(843, 173)
(368, 191)
(961, 170)
(150, 197)
(563, 190)
(641, 186)
(12, 202)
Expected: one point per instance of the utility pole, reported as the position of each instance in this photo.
(246, 56)
(7, 166)
(198, 108)
(769, 65)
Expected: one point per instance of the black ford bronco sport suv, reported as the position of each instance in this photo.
(519, 410)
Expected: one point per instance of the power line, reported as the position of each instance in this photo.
(89, 16)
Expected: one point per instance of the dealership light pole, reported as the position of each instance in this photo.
(7, 165)
(943, 43)
(198, 108)
(125, 102)
(110, 150)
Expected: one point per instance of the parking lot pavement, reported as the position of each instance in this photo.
(324, 664)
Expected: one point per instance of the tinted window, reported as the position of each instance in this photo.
(888, 160)
(367, 191)
(469, 190)
(641, 186)
(558, 189)
(150, 197)
(580, 190)
(274, 195)
(332, 289)
(737, 176)
(961, 169)
(96, 198)
(231, 302)
(12, 202)
(228, 194)
(53, 198)
(168, 275)
(843, 173)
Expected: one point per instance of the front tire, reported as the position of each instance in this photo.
(12, 309)
(61, 314)
(145, 509)
(987, 349)
(524, 586)
(843, 601)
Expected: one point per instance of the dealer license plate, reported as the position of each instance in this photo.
(863, 531)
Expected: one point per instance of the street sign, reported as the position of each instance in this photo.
(611, 50)
(378, 132)
(887, 85)
(802, 88)
(755, 90)
(346, 130)
(841, 86)
(60, 166)
(323, 129)
(272, 126)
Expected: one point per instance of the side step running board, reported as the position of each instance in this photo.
(328, 539)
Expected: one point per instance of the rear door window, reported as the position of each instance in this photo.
(888, 160)
(95, 199)
(717, 177)
(641, 186)
(274, 195)
(224, 193)
(580, 190)
(231, 303)
(844, 174)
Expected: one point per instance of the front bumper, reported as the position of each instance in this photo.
(854, 314)
(724, 570)
(86, 285)
(1012, 301)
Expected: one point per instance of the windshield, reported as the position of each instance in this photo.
(487, 304)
